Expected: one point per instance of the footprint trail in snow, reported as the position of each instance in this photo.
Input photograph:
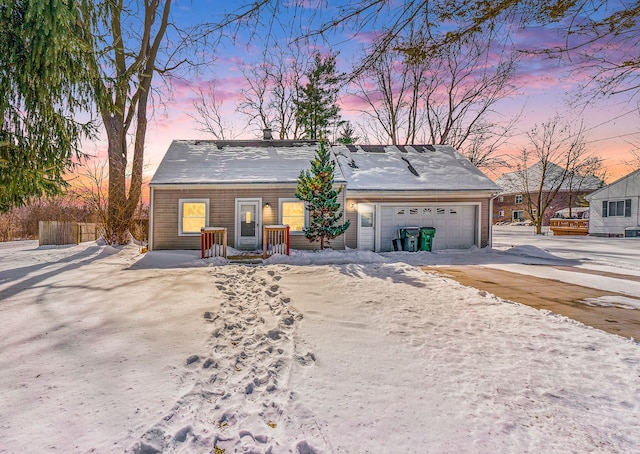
(240, 400)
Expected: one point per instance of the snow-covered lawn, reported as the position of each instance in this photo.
(107, 350)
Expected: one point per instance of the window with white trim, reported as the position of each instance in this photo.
(501, 213)
(518, 199)
(518, 215)
(193, 215)
(616, 208)
(293, 214)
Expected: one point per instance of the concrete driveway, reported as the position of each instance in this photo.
(556, 296)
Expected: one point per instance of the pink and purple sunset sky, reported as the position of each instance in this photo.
(544, 88)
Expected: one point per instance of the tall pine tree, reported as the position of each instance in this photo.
(316, 188)
(44, 83)
(317, 104)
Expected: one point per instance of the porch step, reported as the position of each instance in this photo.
(245, 259)
(246, 262)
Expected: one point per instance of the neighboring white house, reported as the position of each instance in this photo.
(615, 209)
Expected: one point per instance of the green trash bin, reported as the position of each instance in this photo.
(426, 238)
(409, 236)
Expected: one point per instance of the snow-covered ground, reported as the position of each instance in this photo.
(107, 350)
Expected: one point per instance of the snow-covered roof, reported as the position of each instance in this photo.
(628, 185)
(362, 167)
(409, 168)
(236, 161)
(513, 182)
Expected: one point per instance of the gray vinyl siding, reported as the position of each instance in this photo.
(351, 214)
(222, 203)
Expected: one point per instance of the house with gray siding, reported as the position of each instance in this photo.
(243, 185)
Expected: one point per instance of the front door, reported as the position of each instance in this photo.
(367, 226)
(248, 224)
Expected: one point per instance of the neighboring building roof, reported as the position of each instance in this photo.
(236, 161)
(512, 182)
(623, 180)
(409, 168)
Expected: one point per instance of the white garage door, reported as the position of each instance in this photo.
(455, 224)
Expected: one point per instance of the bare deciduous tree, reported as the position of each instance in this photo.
(210, 118)
(125, 41)
(255, 102)
(385, 91)
(268, 100)
(556, 159)
(635, 162)
(585, 172)
(91, 188)
(448, 99)
(463, 87)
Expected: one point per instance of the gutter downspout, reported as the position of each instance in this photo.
(490, 239)
(151, 210)
(344, 211)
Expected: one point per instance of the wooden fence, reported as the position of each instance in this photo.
(275, 240)
(66, 232)
(88, 231)
(213, 242)
(57, 233)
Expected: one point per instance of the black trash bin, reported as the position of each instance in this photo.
(426, 238)
(409, 236)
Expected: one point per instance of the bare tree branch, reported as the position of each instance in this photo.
(209, 116)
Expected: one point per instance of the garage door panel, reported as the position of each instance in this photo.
(455, 225)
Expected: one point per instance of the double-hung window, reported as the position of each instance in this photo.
(616, 208)
(193, 215)
(293, 214)
(518, 199)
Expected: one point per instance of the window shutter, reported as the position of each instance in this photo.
(605, 204)
(627, 208)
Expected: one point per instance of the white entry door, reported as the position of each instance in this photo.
(248, 224)
(367, 226)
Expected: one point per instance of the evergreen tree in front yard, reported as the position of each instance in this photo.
(316, 188)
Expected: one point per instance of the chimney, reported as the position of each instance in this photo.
(266, 134)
